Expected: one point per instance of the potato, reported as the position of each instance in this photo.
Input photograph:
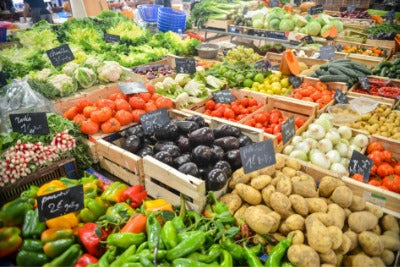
(327, 265)
(295, 222)
(357, 204)
(305, 189)
(284, 229)
(329, 257)
(280, 203)
(268, 248)
(233, 202)
(387, 256)
(249, 194)
(258, 239)
(303, 256)
(376, 230)
(280, 163)
(294, 164)
(239, 214)
(299, 204)
(362, 221)
(378, 262)
(316, 204)
(392, 234)
(338, 214)
(353, 237)
(390, 223)
(261, 181)
(304, 176)
(297, 237)
(265, 208)
(336, 236)
(345, 246)
(317, 235)
(238, 176)
(371, 244)
(295, 179)
(277, 217)
(325, 218)
(278, 236)
(347, 212)
(390, 242)
(270, 170)
(374, 209)
(258, 220)
(358, 260)
(266, 194)
(342, 196)
(284, 185)
(289, 171)
(327, 185)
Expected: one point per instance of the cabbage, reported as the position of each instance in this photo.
(266, 24)
(258, 16)
(323, 19)
(300, 21)
(274, 24)
(258, 23)
(63, 83)
(313, 28)
(286, 25)
(338, 24)
(85, 77)
(303, 30)
(70, 68)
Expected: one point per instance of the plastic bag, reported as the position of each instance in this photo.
(20, 98)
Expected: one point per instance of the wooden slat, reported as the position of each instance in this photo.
(118, 171)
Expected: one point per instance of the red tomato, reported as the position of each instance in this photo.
(245, 102)
(155, 96)
(137, 102)
(258, 125)
(151, 88)
(71, 113)
(373, 169)
(145, 96)
(299, 121)
(136, 114)
(274, 118)
(392, 182)
(385, 170)
(122, 104)
(277, 129)
(387, 155)
(376, 157)
(163, 102)
(374, 146)
(253, 102)
(251, 122)
(260, 117)
(358, 177)
(150, 106)
(279, 135)
(101, 103)
(229, 114)
(210, 104)
(315, 96)
(268, 130)
(87, 111)
(397, 169)
(116, 96)
(82, 103)
(375, 182)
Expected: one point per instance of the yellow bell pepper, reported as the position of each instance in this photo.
(50, 187)
(157, 205)
(66, 221)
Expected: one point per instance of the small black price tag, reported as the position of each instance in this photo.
(185, 65)
(226, 50)
(308, 39)
(111, 38)
(60, 55)
(364, 82)
(273, 3)
(361, 164)
(132, 87)
(261, 65)
(351, 8)
(288, 130)
(340, 97)
(245, 10)
(390, 16)
(276, 67)
(223, 96)
(327, 52)
(294, 43)
(154, 120)
(295, 81)
(3, 79)
(276, 35)
(60, 203)
(316, 10)
(30, 123)
(257, 156)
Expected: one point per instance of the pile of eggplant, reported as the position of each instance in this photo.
(192, 147)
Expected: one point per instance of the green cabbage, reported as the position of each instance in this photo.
(338, 24)
(286, 25)
(258, 23)
(85, 77)
(300, 20)
(274, 24)
(313, 28)
(323, 19)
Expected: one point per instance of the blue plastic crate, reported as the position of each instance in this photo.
(149, 13)
(170, 19)
(3, 35)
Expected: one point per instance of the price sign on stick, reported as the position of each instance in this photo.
(364, 82)
(30, 123)
(257, 156)
(288, 130)
(60, 55)
(361, 164)
(111, 38)
(295, 81)
(185, 65)
(132, 87)
(316, 10)
(327, 52)
(308, 39)
(340, 97)
(224, 96)
(154, 120)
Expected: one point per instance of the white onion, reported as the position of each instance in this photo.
(360, 140)
(304, 135)
(316, 131)
(339, 168)
(319, 159)
(326, 123)
(296, 139)
(288, 149)
(311, 142)
(298, 154)
(345, 162)
(326, 116)
(325, 145)
(303, 146)
(345, 132)
(344, 141)
(333, 156)
(342, 149)
(333, 135)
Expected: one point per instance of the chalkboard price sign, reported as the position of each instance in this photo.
(3, 78)
(111, 38)
(288, 130)
(60, 55)
(132, 87)
(316, 10)
(60, 203)
(185, 65)
(274, 3)
(295, 43)
(154, 120)
(226, 50)
(257, 156)
(308, 39)
(351, 8)
(340, 97)
(29, 123)
(261, 65)
(276, 35)
(223, 96)
(295, 81)
(364, 82)
(327, 52)
(361, 164)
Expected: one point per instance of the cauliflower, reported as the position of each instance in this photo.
(194, 88)
(170, 85)
(183, 100)
(182, 79)
(93, 62)
(63, 83)
(40, 76)
(110, 72)
(85, 77)
(70, 68)
(159, 86)
(215, 83)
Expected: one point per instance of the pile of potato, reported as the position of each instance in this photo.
(329, 225)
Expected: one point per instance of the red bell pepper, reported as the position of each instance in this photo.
(85, 260)
(136, 224)
(91, 236)
(134, 195)
(196, 36)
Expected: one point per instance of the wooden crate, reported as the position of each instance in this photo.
(356, 23)
(218, 24)
(385, 43)
(275, 59)
(369, 62)
(388, 50)
(167, 61)
(342, 36)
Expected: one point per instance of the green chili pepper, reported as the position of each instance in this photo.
(144, 245)
(146, 262)
(32, 227)
(148, 254)
(32, 245)
(287, 264)
(153, 229)
(168, 235)
(256, 249)
(181, 262)
(30, 258)
(131, 264)
(124, 256)
(227, 260)
(193, 216)
(236, 250)
(178, 223)
(277, 253)
(68, 258)
(69, 182)
(213, 253)
(184, 235)
(107, 257)
(251, 258)
(125, 240)
(187, 246)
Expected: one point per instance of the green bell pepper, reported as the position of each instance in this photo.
(168, 235)
(68, 258)
(32, 227)
(187, 246)
(125, 240)
(113, 192)
(91, 186)
(32, 245)
(69, 182)
(94, 208)
(13, 212)
(30, 258)
(121, 211)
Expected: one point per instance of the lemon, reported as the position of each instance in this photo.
(270, 92)
(276, 84)
(285, 82)
(275, 79)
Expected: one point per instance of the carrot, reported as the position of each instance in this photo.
(136, 224)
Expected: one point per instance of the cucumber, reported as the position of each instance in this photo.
(324, 66)
(319, 72)
(334, 78)
(335, 71)
(347, 71)
(396, 61)
(340, 60)
(384, 71)
(362, 69)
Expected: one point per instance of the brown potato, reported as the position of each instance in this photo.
(303, 256)
(318, 235)
(305, 189)
(284, 229)
(353, 237)
(371, 244)
(343, 196)
(278, 236)
(392, 234)
(265, 208)
(345, 246)
(299, 204)
(295, 222)
(315, 204)
(239, 214)
(261, 181)
(329, 257)
(358, 260)
(336, 236)
(376, 230)
(233, 202)
(249, 194)
(357, 204)
(258, 239)
(258, 220)
(362, 221)
(266, 194)
(270, 170)
(390, 223)
(325, 218)
(280, 163)
(378, 262)
(338, 214)
(289, 171)
(280, 203)
(327, 185)
(390, 242)
(293, 163)
(298, 237)
(387, 256)
(374, 209)
(277, 217)
(284, 185)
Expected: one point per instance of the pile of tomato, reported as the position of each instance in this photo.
(109, 114)
(379, 87)
(385, 172)
(318, 93)
(234, 111)
(271, 122)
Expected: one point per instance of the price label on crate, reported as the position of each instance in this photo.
(185, 65)
(351, 8)
(316, 10)
(261, 65)
(390, 16)
(361, 164)
(111, 38)
(294, 42)
(60, 203)
(226, 50)
(276, 35)
(295, 81)
(223, 96)
(3, 79)
(288, 130)
(60, 55)
(257, 156)
(327, 52)
(340, 97)
(308, 39)
(273, 3)
(30, 123)
(132, 87)
(364, 82)
(154, 120)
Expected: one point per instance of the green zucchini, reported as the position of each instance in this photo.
(335, 71)
(384, 71)
(342, 60)
(396, 61)
(334, 78)
(362, 69)
(319, 72)
(347, 71)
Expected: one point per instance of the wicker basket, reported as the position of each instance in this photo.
(337, 4)
(65, 167)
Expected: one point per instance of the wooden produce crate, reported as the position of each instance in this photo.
(169, 61)
(275, 59)
(388, 50)
(218, 24)
(385, 43)
(354, 23)
(369, 62)
(348, 33)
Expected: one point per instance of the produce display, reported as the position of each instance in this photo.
(273, 84)
(356, 14)
(153, 72)
(234, 111)
(354, 49)
(242, 54)
(379, 87)
(389, 69)
(318, 93)
(384, 27)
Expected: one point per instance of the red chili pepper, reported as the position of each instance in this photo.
(245, 231)
(91, 236)
(134, 195)
(85, 260)
(196, 36)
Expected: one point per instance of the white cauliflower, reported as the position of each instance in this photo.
(183, 100)
(182, 79)
(159, 86)
(194, 88)
(40, 76)
(110, 72)
(215, 83)
(70, 68)
(93, 62)
(170, 85)
(63, 83)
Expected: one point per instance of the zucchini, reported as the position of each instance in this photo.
(324, 66)
(335, 71)
(334, 78)
(342, 60)
(384, 71)
(396, 61)
(362, 69)
(347, 71)
(319, 72)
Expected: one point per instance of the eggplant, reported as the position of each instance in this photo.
(135, 130)
(132, 143)
(226, 130)
(218, 153)
(189, 168)
(165, 157)
(184, 143)
(198, 119)
(227, 143)
(186, 127)
(203, 172)
(178, 161)
(244, 140)
(233, 157)
(216, 180)
(145, 151)
(202, 136)
(149, 140)
(202, 155)
(224, 166)
(173, 150)
(160, 144)
(168, 132)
